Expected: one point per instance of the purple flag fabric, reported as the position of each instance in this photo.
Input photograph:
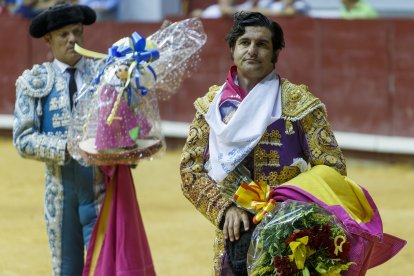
(125, 250)
(370, 247)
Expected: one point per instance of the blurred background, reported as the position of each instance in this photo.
(361, 68)
(360, 64)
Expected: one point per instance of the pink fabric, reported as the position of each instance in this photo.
(231, 90)
(125, 250)
(370, 247)
(116, 135)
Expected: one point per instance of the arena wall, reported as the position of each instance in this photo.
(362, 70)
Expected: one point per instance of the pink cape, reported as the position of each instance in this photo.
(118, 245)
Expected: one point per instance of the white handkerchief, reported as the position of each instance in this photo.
(230, 143)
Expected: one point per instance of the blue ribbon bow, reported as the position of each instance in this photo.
(137, 52)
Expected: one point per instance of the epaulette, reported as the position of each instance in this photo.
(36, 82)
(203, 103)
(297, 101)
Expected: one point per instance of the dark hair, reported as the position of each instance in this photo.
(243, 19)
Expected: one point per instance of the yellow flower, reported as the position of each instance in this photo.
(334, 270)
(300, 251)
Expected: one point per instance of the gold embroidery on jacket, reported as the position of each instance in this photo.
(197, 186)
(289, 128)
(323, 148)
(263, 158)
(274, 178)
(297, 101)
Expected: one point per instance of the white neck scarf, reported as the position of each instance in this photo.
(230, 143)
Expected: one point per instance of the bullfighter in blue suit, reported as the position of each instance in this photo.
(44, 98)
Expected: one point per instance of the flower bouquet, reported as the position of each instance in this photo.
(290, 237)
(298, 238)
(322, 223)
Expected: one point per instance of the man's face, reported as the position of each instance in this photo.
(62, 43)
(253, 53)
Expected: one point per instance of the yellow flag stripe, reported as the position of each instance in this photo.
(102, 225)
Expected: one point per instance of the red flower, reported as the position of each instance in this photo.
(320, 237)
(345, 250)
(284, 266)
(297, 234)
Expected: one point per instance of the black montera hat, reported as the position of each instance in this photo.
(59, 16)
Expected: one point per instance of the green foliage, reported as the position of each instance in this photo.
(288, 219)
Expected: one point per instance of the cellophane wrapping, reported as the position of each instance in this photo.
(116, 117)
(180, 46)
(298, 238)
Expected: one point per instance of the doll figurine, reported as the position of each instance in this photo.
(120, 123)
(116, 119)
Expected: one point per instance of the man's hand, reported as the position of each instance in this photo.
(233, 218)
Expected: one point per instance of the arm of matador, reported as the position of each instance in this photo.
(320, 143)
(28, 140)
(197, 186)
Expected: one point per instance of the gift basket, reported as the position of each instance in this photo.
(116, 117)
(298, 238)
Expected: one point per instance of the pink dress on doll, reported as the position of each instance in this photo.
(117, 134)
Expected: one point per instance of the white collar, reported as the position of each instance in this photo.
(63, 66)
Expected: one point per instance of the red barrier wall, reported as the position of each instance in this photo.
(362, 70)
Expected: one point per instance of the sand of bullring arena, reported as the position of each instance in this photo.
(181, 239)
